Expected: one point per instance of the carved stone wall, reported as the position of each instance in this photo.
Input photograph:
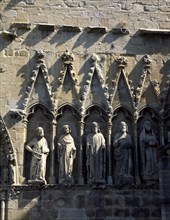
(74, 63)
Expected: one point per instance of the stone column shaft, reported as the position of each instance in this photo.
(52, 178)
(109, 156)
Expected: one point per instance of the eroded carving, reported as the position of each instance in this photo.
(39, 150)
(39, 67)
(7, 157)
(122, 62)
(146, 72)
(66, 154)
(97, 64)
(148, 150)
(67, 59)
(121, 74)
(96, 155)
(167, 147)
(123, 156)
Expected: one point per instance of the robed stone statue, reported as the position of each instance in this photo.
(95, 155)
(149, 152)
(123, 146)
(66, 155)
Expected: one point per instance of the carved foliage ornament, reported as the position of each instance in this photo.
(145, 73)
(67, 59)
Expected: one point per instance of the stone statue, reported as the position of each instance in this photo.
(123, 156)
(167, 147)
(148, 150)
(39, 149)
(95, 154)
(66, 154)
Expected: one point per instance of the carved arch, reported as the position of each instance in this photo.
(70, 107)
(45, 109)
(67, 114)
(102, 112)
(39, 115)
(127, 111)
(154, 114)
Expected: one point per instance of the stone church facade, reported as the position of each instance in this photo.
(85, 110)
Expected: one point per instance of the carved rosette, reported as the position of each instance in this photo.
(68, 59)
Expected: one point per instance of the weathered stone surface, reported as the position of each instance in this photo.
(111, 94)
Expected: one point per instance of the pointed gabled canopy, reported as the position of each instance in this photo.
(122, 91)
(147, 92)
(68, 81)
(39, 90)
(95, 90)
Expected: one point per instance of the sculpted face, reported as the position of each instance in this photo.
(66, 129)
(148, 126)
(40, 132)
(94, 128)
(123, 127)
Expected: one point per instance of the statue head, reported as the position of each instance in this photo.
(39, 132)
(147, 126)
(123, 127)
(95, 127)
(66, 129)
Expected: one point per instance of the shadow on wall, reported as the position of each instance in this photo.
(148, 44)
(4, 42)
(86, 39)
(25, 73)
(12, 4)
(36, 36)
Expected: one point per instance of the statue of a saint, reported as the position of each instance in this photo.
(148, 149)
(66, 154)
(123, 156)
(39, 149)
(96, 155)
(167, 147)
